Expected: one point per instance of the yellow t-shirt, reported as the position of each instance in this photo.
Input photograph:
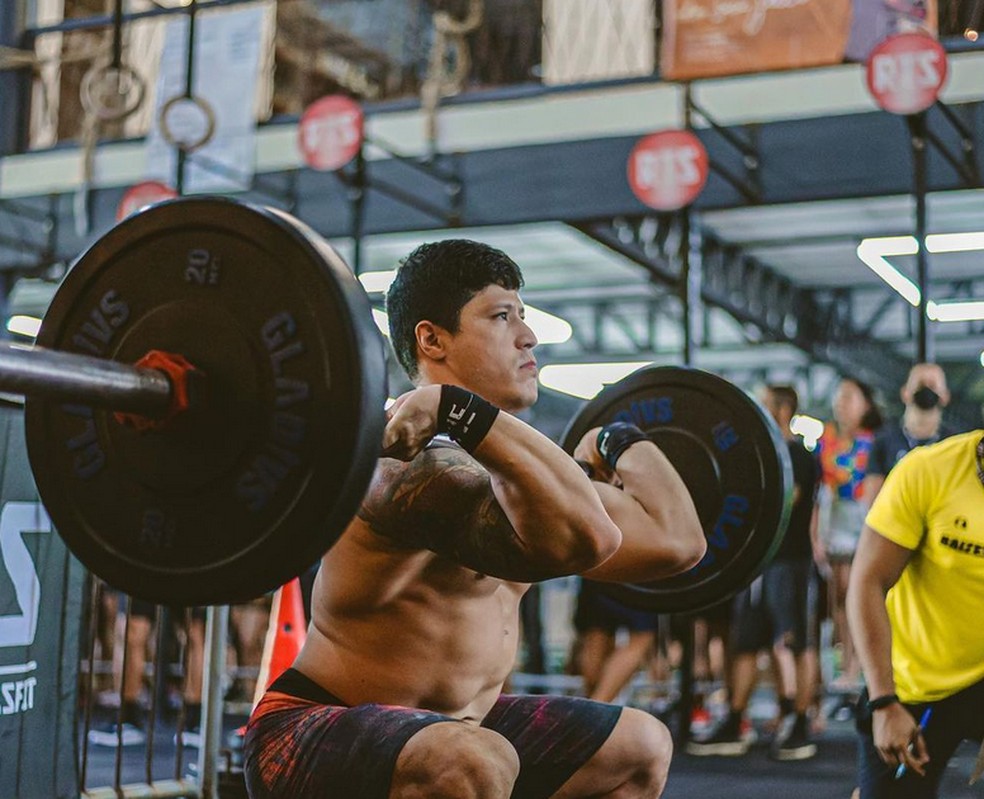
(933, 503)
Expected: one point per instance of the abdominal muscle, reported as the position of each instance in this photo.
(409, 628)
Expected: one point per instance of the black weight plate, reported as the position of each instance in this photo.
(236, 497)
(732, 458)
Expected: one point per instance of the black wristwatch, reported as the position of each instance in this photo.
(882, 701)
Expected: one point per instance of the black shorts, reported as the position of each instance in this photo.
(780, 605)
(302, 741)
(595, 611)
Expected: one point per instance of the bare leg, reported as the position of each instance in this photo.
(195, 660)
(806, 679)
(137, 636)
(451, 760)
(850, 669)
(631, 764)
(744, 674)
(596, 646)
(621, 665)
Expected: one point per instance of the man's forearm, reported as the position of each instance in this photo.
(872, 635)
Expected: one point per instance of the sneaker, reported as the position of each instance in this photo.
(192, 738)
(726, 739)
(127, 735)
(792, 742)
(747, 732)
(700, 721)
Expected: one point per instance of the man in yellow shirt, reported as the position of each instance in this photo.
(914, 606)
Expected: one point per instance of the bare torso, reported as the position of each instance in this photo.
(409, 627)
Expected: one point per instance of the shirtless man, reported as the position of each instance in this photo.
(396, 692)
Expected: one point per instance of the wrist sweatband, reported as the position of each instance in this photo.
(615, 438)
(882, 701)
(464, 416)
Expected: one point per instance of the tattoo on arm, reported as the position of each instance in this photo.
(443, 501)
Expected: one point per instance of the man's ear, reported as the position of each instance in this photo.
(431, 340)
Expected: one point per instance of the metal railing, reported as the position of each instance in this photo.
(162, 764)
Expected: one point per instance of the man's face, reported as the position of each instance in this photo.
(928, 375)
(492, 352)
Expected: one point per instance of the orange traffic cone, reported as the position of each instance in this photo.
(285, 635)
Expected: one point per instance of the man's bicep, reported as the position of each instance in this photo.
(879, 558)
(443, 501)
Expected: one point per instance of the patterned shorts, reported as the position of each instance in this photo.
(301, 741)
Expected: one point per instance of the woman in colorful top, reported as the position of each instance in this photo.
(844, 449)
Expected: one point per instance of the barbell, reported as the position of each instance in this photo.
(249, 335)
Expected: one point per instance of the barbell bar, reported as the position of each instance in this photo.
(260, 468)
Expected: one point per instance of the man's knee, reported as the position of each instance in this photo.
(456, 761)
(649, 749)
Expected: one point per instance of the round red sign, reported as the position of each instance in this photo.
(330, 132)
(906, 72)
(667, 170)
(140, 195)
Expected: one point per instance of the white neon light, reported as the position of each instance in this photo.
(955, 242)
(585, 380)
(24, 325)
(874, 253)
(377, 282)
(955, 311)
(808, 427)
(381, 318)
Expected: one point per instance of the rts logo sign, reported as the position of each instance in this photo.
(330, 132)
(667, 170)
(905, 73)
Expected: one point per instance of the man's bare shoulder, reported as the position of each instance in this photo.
(443, 482)
(443, 501)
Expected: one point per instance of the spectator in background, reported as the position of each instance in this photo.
(778, 610)
(844, 451)
(606, 664)
(915, 603)
(924, 395)
(137, 618)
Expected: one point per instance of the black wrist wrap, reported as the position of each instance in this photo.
(882, 701)
(615, 438)
(464, 416)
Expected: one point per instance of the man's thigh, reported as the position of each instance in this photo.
(553, 736)
(299, 748)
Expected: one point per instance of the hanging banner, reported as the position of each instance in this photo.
(873, 21)
(905, 73)
(710, 38)
(330, 132)
(40, 611)
(228, 47)
(667, 170)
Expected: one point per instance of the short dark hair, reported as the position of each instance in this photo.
(785, 395)
(434, 282)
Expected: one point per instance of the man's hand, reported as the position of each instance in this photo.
(586, 451)
(898, 738)
(411, 423)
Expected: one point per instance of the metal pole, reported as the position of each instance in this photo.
(357, 195)
(47, 374)
(14, 84)
(917, 129)
(216, 632)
